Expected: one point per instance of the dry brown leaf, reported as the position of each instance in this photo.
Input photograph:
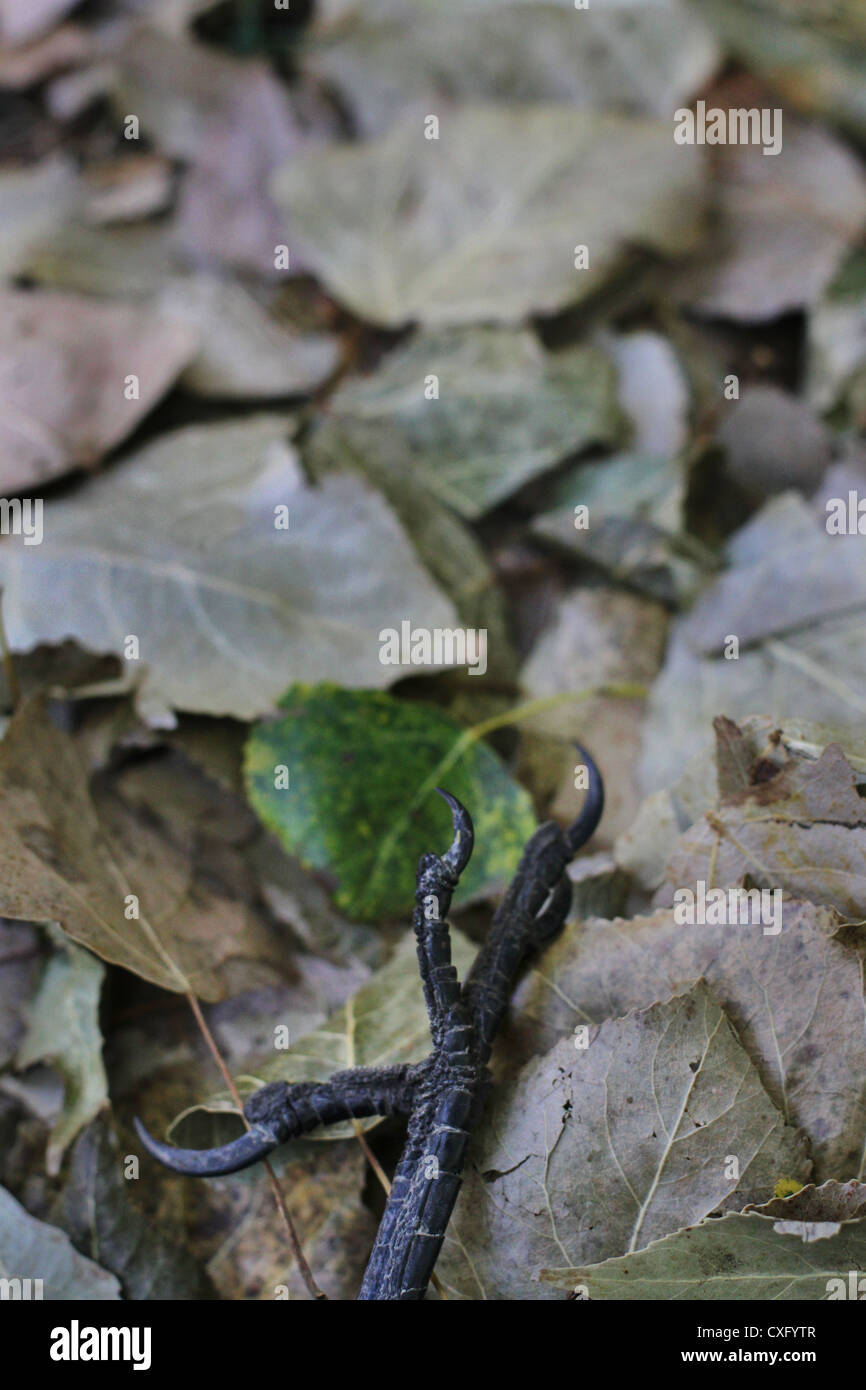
(68, 861)
(65, 365)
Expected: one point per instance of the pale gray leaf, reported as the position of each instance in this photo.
(482, 223)
(179, 547)
(596, 1151)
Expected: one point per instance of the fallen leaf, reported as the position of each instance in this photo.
(786, 222)
(633, 527)
(354, 811)
(831, 1202)
(67, 367)
(232, 121)
(814, 60)
(30, 1249)
(742, 1256)
(22, 20)
(482, 224)
(67, 863)
(33, 203)
(446, 546)
(628, 57)
(504, 409)
(97, 1210)
(323, 1191)
(63, 1030)
(180, 547)
(795, 999)
(598, 1151)
(791, 596)
(595, 636)
(24, 65)
(20, 968)
(244, 353)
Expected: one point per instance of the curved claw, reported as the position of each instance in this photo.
(580, 830)
(249, 1148)
(457, 857)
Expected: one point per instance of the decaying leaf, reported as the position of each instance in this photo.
(232, 120)
(20, 968)
(787, 221)
(32, 1250)
(791, 597)
(597, 1150)
(742, 1256)
(626, 515)
(63, 1029)
(483, 223)
(243, 352)
(33, 201)
(112, 881)
(22, 20)
(627, 57)
(832, 1202)
(483, 410)
(795, 997)
(384, 1022)
(596, 636)
(182, 548)
(97, 1209)
(76, 377)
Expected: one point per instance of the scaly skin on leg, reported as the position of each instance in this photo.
(443, 1095)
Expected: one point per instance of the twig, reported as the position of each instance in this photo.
(443, 1095)
(300, 1259)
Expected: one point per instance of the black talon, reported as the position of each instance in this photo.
(457, 857)
(249, 1148)
(444, 1094)
(580, 830)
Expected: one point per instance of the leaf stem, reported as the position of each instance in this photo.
(623, 690)
(300, 1259)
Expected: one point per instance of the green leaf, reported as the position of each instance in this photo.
(30, 1249)
(361, 804)
(482, 224)
(506, 410)
(742, 1256)
(64, 1030)
(595, 1151)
